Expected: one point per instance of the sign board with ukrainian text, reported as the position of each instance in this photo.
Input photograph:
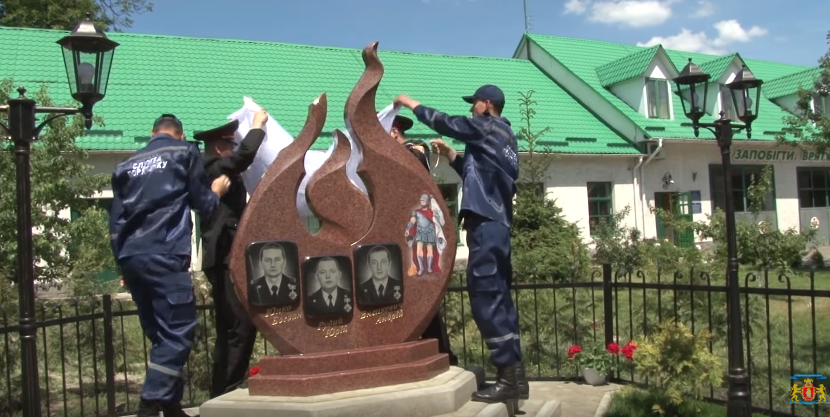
(778, 155)
(811, 391)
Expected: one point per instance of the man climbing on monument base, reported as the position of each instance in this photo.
(490, 163)
(150, 229)
(235, 331)
(436, 329)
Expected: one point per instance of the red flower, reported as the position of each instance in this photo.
(613, 348)
(596, 326)
(628, 351)
(633, 344)
(573, 350)
(253, 371)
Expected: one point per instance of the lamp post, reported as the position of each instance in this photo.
(691, 81)
(88, 56)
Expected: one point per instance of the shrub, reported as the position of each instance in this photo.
(679, 363)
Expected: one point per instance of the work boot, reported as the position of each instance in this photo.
(173, 409)
(524, 388)
(147, 409)
(505, 390)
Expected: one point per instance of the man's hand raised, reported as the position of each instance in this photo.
(221, 185)
(441, 148)
(260, 118)
(405, 101)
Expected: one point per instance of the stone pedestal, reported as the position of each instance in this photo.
(442, 394)
(348, 370)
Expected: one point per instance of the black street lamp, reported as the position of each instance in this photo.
(88, 57)
(691, 81)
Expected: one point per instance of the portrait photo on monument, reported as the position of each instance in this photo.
(327, 286)
(272, 274)
(379, 275)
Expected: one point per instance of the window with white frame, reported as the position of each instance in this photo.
(657, 98)
(821, 104)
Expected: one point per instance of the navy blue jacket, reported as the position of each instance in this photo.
(490, 165)
(153, 193)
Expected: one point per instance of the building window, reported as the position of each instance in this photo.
(726, 105)
(821, 104)
(657, 92)
(742, 178)
(813, 187)
(450, 194)
(600, 204)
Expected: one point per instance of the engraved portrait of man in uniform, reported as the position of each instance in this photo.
(425, 235)
(327, 286)
(379, 274)
(271, 266)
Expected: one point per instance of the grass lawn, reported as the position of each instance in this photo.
(631, 402)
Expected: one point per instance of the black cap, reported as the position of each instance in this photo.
(402, 123)
(488, 92)
(224, 132)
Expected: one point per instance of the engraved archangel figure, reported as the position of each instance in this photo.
(425, 234)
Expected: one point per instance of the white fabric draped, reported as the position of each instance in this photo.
(277, 138)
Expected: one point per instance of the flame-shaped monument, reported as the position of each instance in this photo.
(346, 306)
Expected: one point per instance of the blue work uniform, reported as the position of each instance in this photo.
(489, 170)
(150, 229)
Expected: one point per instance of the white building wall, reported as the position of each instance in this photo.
(687, 161)
(568, 178)
(789, 103)
(632, 92)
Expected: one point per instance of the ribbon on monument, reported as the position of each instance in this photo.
(277, 138)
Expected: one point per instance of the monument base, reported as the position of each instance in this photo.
(348, 370)
(446, 395)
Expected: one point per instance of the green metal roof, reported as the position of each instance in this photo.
(626, 68)
(202, 81)
(718, 66)
(584, 57)
(790, 84)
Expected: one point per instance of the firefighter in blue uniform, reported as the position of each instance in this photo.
(235, 331)
(489, 170)
(436, 329)
(150, 230)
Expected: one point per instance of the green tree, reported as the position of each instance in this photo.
(542, 239)
(807, 127)
(69, 251)
(65, 14)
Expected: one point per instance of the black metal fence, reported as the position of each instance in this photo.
(93, 355)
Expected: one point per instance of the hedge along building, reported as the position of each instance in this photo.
(612, 122)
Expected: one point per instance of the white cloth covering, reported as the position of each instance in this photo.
(277, 138)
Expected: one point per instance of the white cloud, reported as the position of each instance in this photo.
(729, 32)
(705, 8)
(631, 13)
(576, 6)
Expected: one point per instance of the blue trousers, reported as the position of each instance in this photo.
(489, 278)
(163, 294)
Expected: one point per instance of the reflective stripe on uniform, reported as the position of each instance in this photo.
(164, 369)
(501, 338)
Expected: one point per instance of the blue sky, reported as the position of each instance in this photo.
(791, 31)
